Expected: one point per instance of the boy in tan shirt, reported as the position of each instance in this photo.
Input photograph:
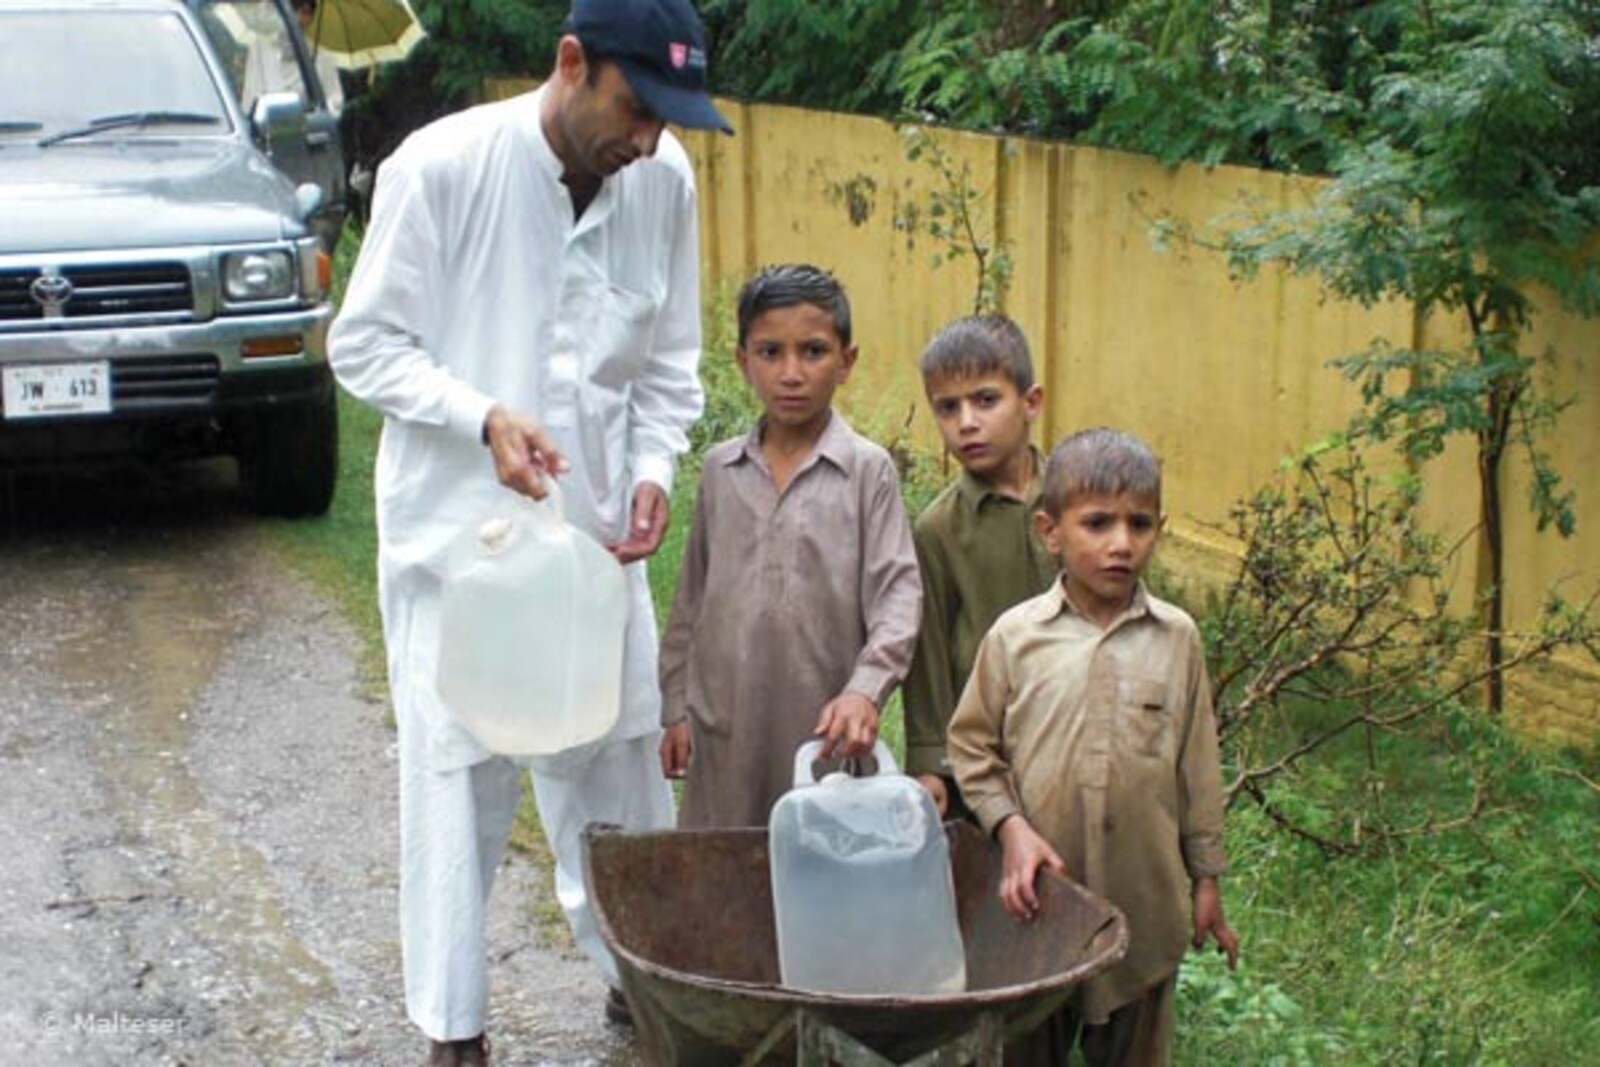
(1085, 742)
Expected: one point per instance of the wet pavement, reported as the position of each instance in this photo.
(197, 810)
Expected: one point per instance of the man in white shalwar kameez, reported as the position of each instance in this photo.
(526, 305)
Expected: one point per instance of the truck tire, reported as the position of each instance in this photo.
(290, 460)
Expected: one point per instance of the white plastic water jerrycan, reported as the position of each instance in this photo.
(531, 631)
(861, 885)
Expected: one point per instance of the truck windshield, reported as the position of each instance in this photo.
(80, 66)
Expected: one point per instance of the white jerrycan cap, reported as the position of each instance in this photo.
(805, 758)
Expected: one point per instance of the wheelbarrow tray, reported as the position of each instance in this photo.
(689, 918)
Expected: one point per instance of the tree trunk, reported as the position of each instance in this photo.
(1492, 564)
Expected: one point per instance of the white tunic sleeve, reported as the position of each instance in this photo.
(377, 346)
(667, 397)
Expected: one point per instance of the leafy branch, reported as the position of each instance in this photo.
(957, 218)
(1336, 630)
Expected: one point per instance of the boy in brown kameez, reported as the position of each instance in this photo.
(1085, 743)
(797, 604)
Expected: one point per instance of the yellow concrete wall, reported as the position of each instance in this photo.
(1224, 377)
(1562, 703)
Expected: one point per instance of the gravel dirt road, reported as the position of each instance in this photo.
(197, 809)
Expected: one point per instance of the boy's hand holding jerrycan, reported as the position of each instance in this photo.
(530, 638)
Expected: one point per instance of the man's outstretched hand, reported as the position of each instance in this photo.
(647, 525)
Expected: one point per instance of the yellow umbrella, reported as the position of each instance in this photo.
(358, 34)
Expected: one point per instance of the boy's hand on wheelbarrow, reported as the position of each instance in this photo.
(1209, 921)
(1023, 851)
(676, 748)
(848, 726)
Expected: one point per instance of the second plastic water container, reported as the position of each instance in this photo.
(861, 885)
(531, 631)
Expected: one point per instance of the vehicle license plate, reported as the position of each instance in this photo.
(46, 389)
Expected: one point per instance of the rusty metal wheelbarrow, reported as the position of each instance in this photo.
(688, 915)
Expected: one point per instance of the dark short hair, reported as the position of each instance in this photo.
(790, 284)
(979, 344)
(594, 61)
(1101, 460)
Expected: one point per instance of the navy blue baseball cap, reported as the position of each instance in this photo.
(660, 47)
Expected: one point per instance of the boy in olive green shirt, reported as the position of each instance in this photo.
(975, 543)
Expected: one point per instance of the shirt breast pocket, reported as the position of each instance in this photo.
(1146, 714)
(621, 335)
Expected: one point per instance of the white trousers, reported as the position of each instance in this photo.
(454, 824)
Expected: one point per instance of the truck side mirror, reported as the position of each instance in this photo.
(278, 117)
(307, 199)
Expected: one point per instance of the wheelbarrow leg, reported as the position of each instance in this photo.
(819, 1045)
(981, 1046)
(773, 1039)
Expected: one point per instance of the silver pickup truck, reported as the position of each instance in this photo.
(163, 288)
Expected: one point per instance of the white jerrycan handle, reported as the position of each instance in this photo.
(552, 506)
(499, 533)
(807, 754)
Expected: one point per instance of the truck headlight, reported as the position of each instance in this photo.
(254, 276)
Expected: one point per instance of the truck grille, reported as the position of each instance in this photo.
(167, 381)
(114, 290)
(15, 303)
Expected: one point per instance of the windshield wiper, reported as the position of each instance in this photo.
(19, 126)
(133, 119)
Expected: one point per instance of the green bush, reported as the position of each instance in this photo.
(1472, 948)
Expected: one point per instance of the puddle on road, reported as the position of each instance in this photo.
(156, 641)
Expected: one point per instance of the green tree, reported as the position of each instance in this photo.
(474, 39)
(468, 41)
(1261, 84)
(839, 55)
(1463, 197)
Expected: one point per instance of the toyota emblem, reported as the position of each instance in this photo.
(50, 291)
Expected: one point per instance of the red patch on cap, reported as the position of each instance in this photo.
(679, 54)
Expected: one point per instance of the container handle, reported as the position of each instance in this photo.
(499, 533)
(553, 506)
(806, 755)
